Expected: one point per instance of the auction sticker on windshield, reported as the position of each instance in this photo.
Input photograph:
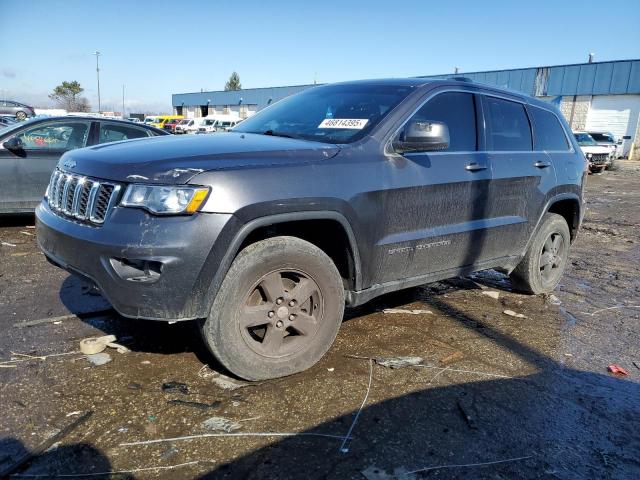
(353, 123)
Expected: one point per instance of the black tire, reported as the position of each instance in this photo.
(541, 268)
(259, 327)
(21, 115)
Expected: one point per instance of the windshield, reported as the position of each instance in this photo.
(333, 113)
(602, 137)
(209, 122)
(584, 139)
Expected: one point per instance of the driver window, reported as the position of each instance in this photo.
(55, 136)
(458, 112)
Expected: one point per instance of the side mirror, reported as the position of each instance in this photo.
(422, 136)
(14, 144)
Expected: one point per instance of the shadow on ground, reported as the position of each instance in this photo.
(557, 423)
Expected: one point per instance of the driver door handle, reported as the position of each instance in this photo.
(474, 167)
(542, 164)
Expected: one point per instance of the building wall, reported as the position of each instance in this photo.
(575, 110)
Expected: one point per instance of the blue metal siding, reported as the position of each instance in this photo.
(602, 78)
(616, 77)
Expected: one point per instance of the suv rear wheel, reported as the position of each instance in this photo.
(278, 310)
(542, 266)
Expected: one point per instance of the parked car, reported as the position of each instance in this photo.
(162, 119)
(170, 125)
(218, 123)
(6, 120)
(19, 110)
(134, 120)
(151, 120)
(29, 152)
(599, 157)
(188, 125)
(607, 139)
(337, 194)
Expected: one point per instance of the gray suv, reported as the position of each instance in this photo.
(18, 110)
(329, 197)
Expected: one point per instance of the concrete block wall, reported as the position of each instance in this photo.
(575, 110)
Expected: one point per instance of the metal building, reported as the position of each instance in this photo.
(599, 96)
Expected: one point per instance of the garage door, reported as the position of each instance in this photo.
(617, 114)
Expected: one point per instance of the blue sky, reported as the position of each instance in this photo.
(159, 47)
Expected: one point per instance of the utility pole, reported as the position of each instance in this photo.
(97, 54)
(123, 101)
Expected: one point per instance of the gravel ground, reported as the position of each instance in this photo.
(530, 398)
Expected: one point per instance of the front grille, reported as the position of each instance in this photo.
(85, 199)
(599, 157)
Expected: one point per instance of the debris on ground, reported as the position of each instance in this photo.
(41, 321)
(617, 370)
(221, 424)
(491, 293)
(28, 234)
(98, 359)
(553, 300)
(168, 453)
(398, 362)
(199, 405)
(468, 411)
(222, 381)
(452, 357)
(511, 313)
(175, 387)
(637, 365)
(92, 345)
(44, 446)
(408, 312)
(375, 473)
(7, 244)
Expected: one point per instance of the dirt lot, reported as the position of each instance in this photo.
(498, 397)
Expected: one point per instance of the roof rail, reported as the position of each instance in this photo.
(461, 79)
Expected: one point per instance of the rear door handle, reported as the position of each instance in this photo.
(542, 164)
(474, 167)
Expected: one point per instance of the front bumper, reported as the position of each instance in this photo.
(172, 256)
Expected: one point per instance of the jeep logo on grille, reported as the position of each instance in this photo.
(69, 163)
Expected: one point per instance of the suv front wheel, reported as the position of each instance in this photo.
(278, 309)
(542, 266)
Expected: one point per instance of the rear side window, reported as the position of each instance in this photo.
(457, 110)
(115, 133)
(508, 126)
(549, 134)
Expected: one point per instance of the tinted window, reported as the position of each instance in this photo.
(602, 137)
(507, 125)
(549, 134)
(457, 110)
(55, 136)
(114, 133)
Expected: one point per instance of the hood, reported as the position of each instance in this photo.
(176, 159)
(594, 149)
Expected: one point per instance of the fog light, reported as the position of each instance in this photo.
(137, 270)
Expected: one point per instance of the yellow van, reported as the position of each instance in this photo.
(162, 119)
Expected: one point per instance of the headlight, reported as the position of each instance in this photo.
(589, 155)
(164, 199)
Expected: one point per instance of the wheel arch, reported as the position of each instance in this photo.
(286, 224)
(567, 206)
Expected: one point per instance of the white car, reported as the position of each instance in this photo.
(599, 157)
(218, 123)
(188, 125)
(607, 139)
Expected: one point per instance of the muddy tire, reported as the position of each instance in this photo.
(542, 266)
(278, 309)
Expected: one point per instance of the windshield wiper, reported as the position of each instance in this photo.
(278, 134)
